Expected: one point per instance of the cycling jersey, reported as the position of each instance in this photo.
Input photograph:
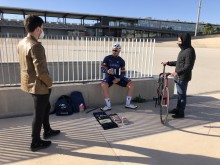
(118, 66)
(116, 63)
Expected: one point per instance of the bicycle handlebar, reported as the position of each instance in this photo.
(168, 74)
(164, 74)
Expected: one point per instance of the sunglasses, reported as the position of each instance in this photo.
(114, 50)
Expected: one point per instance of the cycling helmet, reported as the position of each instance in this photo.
(116, 46)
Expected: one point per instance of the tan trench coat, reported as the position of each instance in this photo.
(35, 77)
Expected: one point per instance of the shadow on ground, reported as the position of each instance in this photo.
(82, 131)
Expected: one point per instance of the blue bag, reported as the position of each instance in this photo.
(76, 100)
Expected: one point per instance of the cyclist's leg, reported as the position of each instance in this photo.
(130, 86)
(105, 84)
(125, 82)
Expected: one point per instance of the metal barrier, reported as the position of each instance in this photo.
(78, 59)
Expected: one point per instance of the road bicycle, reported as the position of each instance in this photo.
(163, 98)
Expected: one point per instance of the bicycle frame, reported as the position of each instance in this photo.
(163, 82)
(163, 95)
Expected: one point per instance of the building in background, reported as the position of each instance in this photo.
(78, 24)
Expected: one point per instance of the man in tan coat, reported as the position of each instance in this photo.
(35, 80)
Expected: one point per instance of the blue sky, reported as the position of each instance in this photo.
(183, 10)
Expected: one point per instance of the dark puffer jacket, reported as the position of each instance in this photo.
(185, 60)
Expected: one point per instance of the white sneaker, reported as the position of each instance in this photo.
(131, 106)
(106, 108)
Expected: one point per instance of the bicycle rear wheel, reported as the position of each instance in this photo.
(164, 105)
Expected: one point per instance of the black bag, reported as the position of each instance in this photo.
(76, 100)
(63, 106)
(105, 120)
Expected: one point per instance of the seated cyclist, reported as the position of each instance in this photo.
(114, 67)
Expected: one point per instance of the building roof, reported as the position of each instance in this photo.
(72, 15)
(58, 14)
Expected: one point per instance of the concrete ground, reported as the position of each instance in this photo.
(145, 141)
(189, 141)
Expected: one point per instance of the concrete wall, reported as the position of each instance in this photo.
(14, 102)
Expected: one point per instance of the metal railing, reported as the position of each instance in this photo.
(78, 59)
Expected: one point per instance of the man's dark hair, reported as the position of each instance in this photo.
(32, 22)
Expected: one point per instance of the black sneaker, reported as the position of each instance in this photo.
(173, 111)
(41, 144)
(177, 116)
(51, 133)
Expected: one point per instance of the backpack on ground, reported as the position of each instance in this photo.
(77, 101)
(63, 106)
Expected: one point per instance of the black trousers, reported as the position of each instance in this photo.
(41, 114)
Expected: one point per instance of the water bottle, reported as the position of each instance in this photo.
(81, 107)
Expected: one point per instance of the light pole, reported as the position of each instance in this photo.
(197, 23)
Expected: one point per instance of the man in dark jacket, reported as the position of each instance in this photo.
(183, 72)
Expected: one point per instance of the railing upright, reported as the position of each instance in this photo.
(78, 59)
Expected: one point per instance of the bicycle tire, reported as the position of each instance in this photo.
(159, 93)
(164, 105)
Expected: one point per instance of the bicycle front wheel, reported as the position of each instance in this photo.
(159, 93)
(164, 105)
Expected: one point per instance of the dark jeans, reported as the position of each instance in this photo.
(41, 114)
(181, 87)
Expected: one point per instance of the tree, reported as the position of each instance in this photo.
(217, 30)
(208, 29)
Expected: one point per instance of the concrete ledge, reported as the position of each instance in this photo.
(14, 102)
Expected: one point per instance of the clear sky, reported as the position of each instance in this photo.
(183, 10)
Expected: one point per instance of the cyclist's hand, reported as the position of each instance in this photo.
(164, 63)
(110, 71)
(116, 80)
(174, 74)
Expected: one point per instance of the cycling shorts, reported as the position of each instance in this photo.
(123, 82)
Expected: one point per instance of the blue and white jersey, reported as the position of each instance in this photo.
(115, 63)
